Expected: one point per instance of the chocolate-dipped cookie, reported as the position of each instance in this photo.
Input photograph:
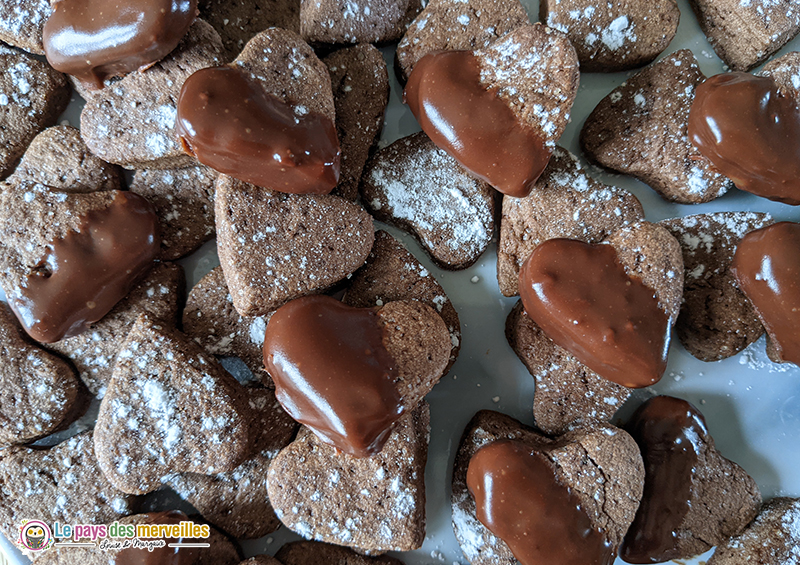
(564, 202)
(422, 189)
(375, 503)
(716, 320)
(641, 129)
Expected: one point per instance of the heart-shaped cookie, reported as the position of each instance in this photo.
(241, 120)
(610, 305)
(640, 129)
(350, 373)
(498, 111)
(750, 133)
(169, 408)
(69, 258)
(39, 392)
(274, 247)
(456, 24)
(693, 497)
(745, 34)
(356, 21)
(600, 464)
(374, 504)
(78, 36)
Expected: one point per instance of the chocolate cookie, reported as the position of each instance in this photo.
(693, 497)
(456, 24)
(184, 202)
(60, 484)
(261, 560)
(59, 158)
(148, 99)
(567, 392)
(317, 553)
(624, 35)
(716, 320)
(237, 501)
(306, 242)
(773, 538)
(392, 273)
(601, 464)
(641, 129)
(212, 321)
(221, 550)
(32, 96)
(360, 84)
(422, 189)
(564, 202)
(373, 503)
(745, 33)
(785, 71)
(169, 408)
(94, 352)
(39, 392)
(22, 23)
(238, 21)
(360, 21)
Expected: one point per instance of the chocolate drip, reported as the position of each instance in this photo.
(333, 373)
(161, 555)
(231, 123)
(584, 300)
(750, 132)
(97, 39)
(520, 500)
(767, 267)
(670, 433)
(86, 273)
(473, 124)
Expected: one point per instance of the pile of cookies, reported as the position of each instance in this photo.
(257, 123)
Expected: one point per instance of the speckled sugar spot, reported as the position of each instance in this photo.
(22, 23)
(355, 21)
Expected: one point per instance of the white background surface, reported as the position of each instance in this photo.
(751, 405)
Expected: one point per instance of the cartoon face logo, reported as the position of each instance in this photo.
(35, 535)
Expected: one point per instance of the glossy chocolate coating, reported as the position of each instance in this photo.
(228, 121)
(519, 499)
(333, 373)
(161, 555)
(86, 273)
(750, 132)
(670, 433)
(473, 124)
(767, 267)
(583, 299)
(93, 40)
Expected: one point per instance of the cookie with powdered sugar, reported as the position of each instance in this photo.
(317, 553)
(23, 22)
(32, 96)
(237, 501)
(420, 188)
(564, 202)
(641, 129)
(579, 459)
(375, 503)
(94, 352)
(392, 273)
(716, 320)
(456, 25)
(211, 319)
(184, 203)
(744, 33)
(169, 408)
(274, 247)
(785, 71)
(39, 392)
(58, 484)
(617, 36)
(360, 85)
(356, 21)
(131, 122)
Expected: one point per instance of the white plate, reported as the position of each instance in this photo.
(752, 405)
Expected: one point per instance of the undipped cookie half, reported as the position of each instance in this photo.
(356, 21)
(23, 22)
